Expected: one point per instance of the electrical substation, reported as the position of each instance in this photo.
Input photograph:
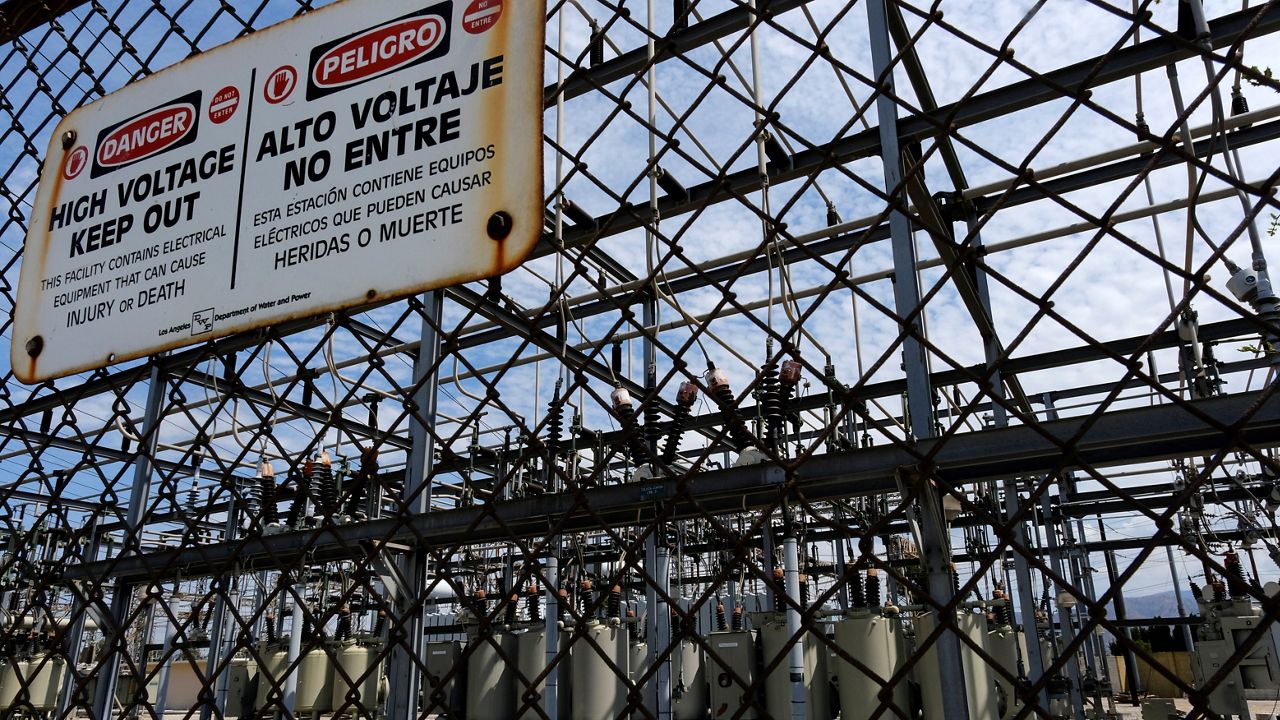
(621, 359)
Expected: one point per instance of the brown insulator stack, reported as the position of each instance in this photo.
(1237, 585)
(533, 603)
(565, 601)
(853, 579)
(652, 428)
(267, 483)
(775, 424)
(326, 483)
(365, 476)
(513, 604)
(788, 381)
(343, 629)
(1001, 614)
(685, 397)
(584, 596)
(301, 492)
(555, 422)
(615, 601)
(722, 394)
(873, 588)
(623, 409)
(595, 44)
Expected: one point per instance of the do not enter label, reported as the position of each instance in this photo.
(223, 104)
(481, 15)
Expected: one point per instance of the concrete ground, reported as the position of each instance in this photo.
(1258, 709)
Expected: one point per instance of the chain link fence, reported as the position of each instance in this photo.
(879, 359)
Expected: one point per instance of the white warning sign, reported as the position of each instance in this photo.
(364, 151)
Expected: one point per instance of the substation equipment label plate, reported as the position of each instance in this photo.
(365, 151)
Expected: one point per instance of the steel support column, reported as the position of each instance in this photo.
(75, 642)
(1078, 565)
(122, 591)
(657, 620)
(166, 664)
(294, 658)
(222, 636)
(1034, 660)
(1066, 625)
(795, 653)
(403, 672)
(934, 537)
(551, 688)
(1117, 600)
(1055, 562)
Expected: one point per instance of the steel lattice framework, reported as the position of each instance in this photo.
(708, 401)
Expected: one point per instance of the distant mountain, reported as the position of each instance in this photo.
(1157, 605)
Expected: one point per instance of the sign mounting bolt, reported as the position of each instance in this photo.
(499, 226)
(68, 139)
(35, 345)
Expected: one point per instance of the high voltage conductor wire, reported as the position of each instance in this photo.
(1146, 180)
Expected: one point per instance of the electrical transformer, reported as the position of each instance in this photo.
(732, 668)
(875, 641)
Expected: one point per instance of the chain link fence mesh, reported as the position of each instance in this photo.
(873, 353)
